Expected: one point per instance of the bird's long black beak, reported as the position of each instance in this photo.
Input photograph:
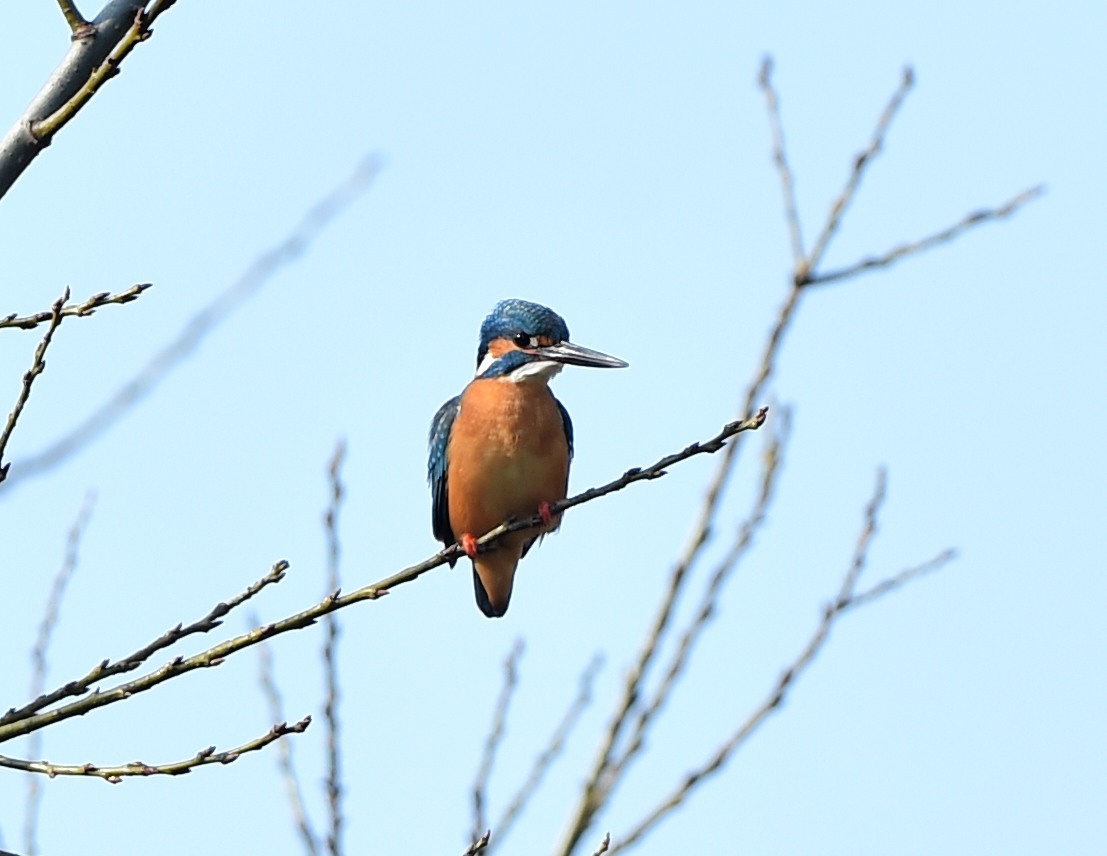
(577, 355)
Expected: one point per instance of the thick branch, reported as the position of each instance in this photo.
(95, 52)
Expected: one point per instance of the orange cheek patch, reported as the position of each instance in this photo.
(545, 341)
(498, 347)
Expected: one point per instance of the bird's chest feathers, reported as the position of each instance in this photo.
(509, 439)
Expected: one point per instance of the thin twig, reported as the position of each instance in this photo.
(77, 310)
(260, 272)
(479, 845)
(605, 844)
(780, 158)
(107, 668)
(844, 601)
(330, 655)
(37, 368)
(900, 252)
(709, 599)
(16, 723)
(284, 751)
(554, 748)
(495, 737)
(38, 658)
(860, 164)
(76, 24)
(116, 774)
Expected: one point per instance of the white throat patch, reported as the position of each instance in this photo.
(543, 369)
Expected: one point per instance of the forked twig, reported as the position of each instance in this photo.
(38, 366)
(843, 602)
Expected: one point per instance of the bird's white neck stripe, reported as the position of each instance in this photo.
(545, 369)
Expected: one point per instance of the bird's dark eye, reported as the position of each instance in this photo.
(522, 340)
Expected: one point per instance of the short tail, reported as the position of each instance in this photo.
(485, 604)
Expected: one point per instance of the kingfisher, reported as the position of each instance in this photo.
(501, 449)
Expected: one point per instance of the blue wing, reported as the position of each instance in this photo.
(436, 469)
(567, 424)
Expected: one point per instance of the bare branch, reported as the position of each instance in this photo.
(44, 129)
(79, 310)
(138, 768)
(860, 163)
(37, 368)
(107, 668)
(784, 171)
(330, 660)
(709, 600)
(604, 845)
(257, 275)
(284, 751)
(38, 657)
(479, 845)
(900, 252)
(16, 723)
(95, 51)
(776, 696)
(553, 749)
(495, 736)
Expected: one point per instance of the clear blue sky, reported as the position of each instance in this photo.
(611, 161)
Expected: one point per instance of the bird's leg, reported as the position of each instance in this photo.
(544, 513)
(468, 544)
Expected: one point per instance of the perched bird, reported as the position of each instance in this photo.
(502, 448)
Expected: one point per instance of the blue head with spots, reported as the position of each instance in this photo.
(520, 339)
(521, 323)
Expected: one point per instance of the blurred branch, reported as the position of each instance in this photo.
(844, 601)
(330, 660)
(260, 272)
(930, 241)
(38, 657)
(495, 737)
(95, 52)
(17, 722)
(553, 749)
(37, 368)
(780, 159)
(805, 264)
(479, 845)
(609, 767)
(860, 164)
(708, 602)
(284, 751)
(28, 322)
(116, 774)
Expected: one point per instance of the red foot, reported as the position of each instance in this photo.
(468, 544)
(544, 512)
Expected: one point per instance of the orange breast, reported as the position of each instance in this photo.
(507, 454)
